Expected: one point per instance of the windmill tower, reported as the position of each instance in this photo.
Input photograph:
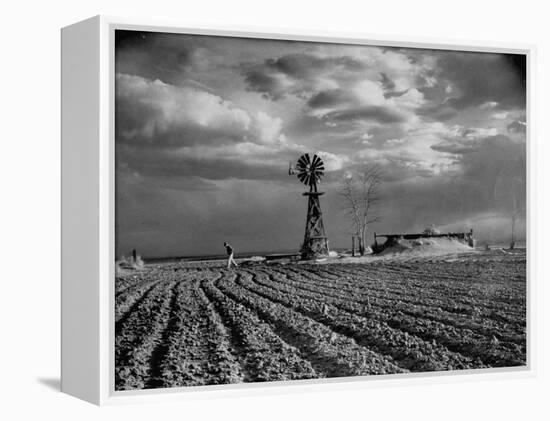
(310, 172)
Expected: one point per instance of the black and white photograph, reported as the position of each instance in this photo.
(292, 210)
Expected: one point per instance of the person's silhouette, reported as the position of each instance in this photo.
(229, 251)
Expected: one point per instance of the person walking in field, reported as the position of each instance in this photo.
(230, 259)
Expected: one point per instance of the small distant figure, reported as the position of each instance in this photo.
(230, 259)
(134, 255)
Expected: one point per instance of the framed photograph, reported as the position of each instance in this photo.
(243, 210)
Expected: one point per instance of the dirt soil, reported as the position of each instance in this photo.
(188, 324)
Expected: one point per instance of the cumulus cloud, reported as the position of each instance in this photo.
(164, 129)
(333, 162)
(488, 105)
(500, 116)
(393, 142)
(151, 111)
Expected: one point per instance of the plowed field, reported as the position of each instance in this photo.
(186, 324)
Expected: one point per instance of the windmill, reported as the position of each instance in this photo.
(309, 172)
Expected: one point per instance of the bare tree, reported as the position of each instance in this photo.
(516, 211)
(509, 193)
(361, 192)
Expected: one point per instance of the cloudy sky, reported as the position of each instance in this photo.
(206, 128)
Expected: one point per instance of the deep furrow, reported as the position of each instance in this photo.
(155, 378)
(195, 349)
(421, 273)
(138, 335)
(406, 290)
(123, 286)
(484, 278)
(471, 319)
(406, 350)
(331, 353)
(462, 342)
(124, 306)
(238, 349)
(121, 319)
(263, 352)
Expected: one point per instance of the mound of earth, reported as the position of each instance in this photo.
(426, 247)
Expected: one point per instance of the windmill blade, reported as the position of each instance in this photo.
(305, 179)
(317, 163)
(302, 162)
(302, 176)
(308, 161)
(316, 159)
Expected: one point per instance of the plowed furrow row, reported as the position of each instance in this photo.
(332, 354)
(138, 335)
(506, 310)
(126, 300)
(485, 278)
(263, 354)
(195, 349)
(422, 293)
(406, 350)
(490, 351)
(476, 317)
(444, 275)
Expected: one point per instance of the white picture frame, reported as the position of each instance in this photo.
(88, 213)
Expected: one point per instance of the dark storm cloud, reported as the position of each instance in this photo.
(495, 156)
(475, 79)
(387, 83)
(303, 66)
(154, 55)
(294, 73)
(462, 147)
(389, 87)
(331, 98)
(494, 164)
(269, 86)
(367, 113)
